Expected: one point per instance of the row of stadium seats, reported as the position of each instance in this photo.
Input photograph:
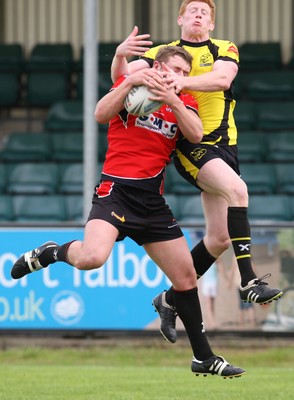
(254, 56)
(265, 86)
(186, 208)
(42, 178)
(264, 115)
(51, 74)
(260, 178)
(41, 208)
(249, 115)
(63, 146)
(44, 147)
(67, 178)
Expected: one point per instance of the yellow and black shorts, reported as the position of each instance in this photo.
(189, 158)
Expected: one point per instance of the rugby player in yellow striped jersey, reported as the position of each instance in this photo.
(211, 166)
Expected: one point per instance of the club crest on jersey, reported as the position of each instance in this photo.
(157, 125)
(198, 153)
(206, 60)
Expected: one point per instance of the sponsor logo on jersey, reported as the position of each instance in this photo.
(155, 124)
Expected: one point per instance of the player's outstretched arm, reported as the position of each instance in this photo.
(133, 45)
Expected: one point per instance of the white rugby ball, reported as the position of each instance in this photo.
(137, 101)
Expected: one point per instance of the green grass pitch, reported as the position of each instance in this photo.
(127, 371)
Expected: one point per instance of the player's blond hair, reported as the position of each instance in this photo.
(210, 3)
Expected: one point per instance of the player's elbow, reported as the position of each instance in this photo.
(225, 81)
(226, 84)
(196, 136)
(100, 116)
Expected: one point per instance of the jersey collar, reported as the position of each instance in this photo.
(194, 44)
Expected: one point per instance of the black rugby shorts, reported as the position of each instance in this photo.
(139, 214)
(189, 158)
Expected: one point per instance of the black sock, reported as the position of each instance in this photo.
(189, 310)
(61, 254)
(169, 297)
(53, 254)
(239, 231)
(202, 259)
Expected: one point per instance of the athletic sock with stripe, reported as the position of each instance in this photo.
(239, 231)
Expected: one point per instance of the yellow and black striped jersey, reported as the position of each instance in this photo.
(215, 108)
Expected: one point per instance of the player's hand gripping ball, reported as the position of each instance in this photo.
(137, 101)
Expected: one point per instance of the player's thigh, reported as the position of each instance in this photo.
(99, 239)
(174, 259)
(217, 177)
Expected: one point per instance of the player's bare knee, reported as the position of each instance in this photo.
(185, 281)
(89, 262)
(219, 244)
(239, 195)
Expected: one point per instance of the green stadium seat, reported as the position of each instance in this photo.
(104, 83)
(11, 67)
(11, 57)
(32, 178)
(49, 69)
(106, 52)
(39, 208)
(275, 116)
(269, 208)
(245, 115)
(46, 88)
(280, 146)
(251, 146)
(241, 85)
(271, 85)
(104, 57)
(74, 207)
(260, 178)
(256, 56)
(65, 116)
(3, 177)
(291, 201)
(290, 64)
(26, 146)
(190, 209)
(51, 57)
(71, 178)
(175, 183)
(67, 147)
(9, 89)
(6, 209)
(285, 178)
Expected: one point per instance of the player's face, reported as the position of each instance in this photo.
(196, 22)
(179, 65)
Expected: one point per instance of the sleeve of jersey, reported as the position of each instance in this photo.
(190, 102)
(150, 55)
(229, 52)
(118, 82)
